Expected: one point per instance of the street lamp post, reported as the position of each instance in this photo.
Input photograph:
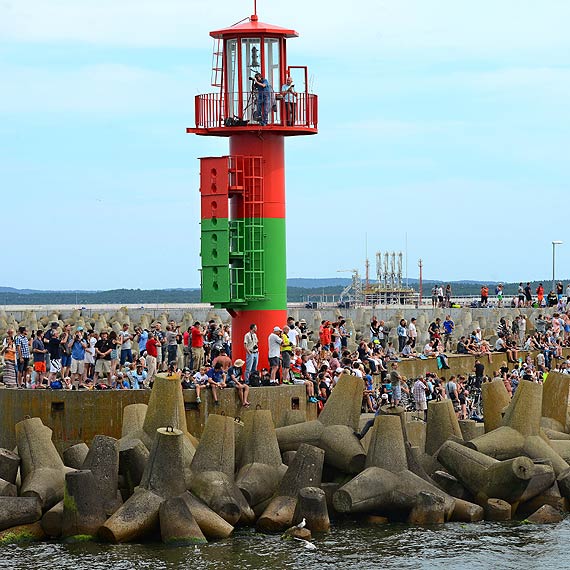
(554, 244)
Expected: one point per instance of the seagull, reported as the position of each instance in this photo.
(302, 524)
(308, 545)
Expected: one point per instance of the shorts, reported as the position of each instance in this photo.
(274, 361)
(55, 366)
(77, 366)
(103, 366)
(65, 360)
(286, 357)
(397, 393)
(23, 363)
(40, 366)
(421, 406)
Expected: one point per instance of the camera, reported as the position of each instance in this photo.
(252, 78)
(255, 348)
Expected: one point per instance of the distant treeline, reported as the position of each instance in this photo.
(161, 296)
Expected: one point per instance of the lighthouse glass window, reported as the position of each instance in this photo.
(272, 69)
(233, 104)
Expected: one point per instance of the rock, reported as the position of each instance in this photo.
(312, 506)
(429, 509)
(9, 464)
(22, 533)
(52, 521)
(497, 510)
(177, 525)
(302, 533)
(15, 511)
(75, 455)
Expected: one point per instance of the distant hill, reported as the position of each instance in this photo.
(298, 288)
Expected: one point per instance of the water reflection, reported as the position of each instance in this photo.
(347, 546)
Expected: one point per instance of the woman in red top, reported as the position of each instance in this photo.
(540, 294)
(151, 354)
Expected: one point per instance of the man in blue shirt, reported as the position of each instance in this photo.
(263, 98)
(448, 326)
(78, 356)
(216, 380)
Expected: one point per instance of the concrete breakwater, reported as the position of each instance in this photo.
(159, 481)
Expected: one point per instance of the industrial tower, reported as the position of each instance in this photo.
(243, 245)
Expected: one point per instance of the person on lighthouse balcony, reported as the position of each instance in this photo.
(289, 97)
(263, 98)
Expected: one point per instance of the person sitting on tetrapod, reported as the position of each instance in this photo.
(263, 98)
(290, 99)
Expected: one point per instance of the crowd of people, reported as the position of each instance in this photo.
(74, 358)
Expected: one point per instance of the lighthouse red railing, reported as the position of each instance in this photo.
(214, 109)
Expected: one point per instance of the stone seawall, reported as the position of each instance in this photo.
(76, 416)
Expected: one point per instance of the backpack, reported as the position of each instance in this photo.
(254, 379)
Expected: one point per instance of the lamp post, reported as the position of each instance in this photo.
(554, 244)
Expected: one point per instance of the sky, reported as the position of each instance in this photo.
(444, 130)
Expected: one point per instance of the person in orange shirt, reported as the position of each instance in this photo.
(540, 294)
(326, 335)
(484, 295)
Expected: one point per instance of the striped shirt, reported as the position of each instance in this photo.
(419, 391)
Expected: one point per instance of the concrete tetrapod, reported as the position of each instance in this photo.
(525, 410)
(9, 465)
(133, 457)
(305, 471)
(19, 510)
(495, 400)
(42, 470)
(211, 524)
(177, 525)
(471, 429)
(555, 397)
(75, 455)
(380, 491)
(312, 506)
(162, 479)
(441, 425)
(334, 430)
(387, 448)
(260, 465)
(8, 489)
(212, 478)
(103, 461)
(133, 419)
(52, 521)
(484, 476)
(428, 509)
(83, 510)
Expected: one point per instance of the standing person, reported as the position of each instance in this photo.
(412, 332)
(528, 295)
(39, 352)
(448, 326)
(141, 336)
(47, 336)
(434, 329)
(289, 98)
(54, 350)
(274, 341)
(402, 334)
(125, 341)
(419, 392)
(479, 370)
(453, 394)
(66, 342)
(499, 293)
(434, 296)
(23, 355)
(103, 351)
(286, 349)
(171, 344)
(90, 355)
(374, 329)
(151, 355)
(78, 356)
(484, 295)
(197, 346)
(161, 338)
(263, 98)
(9, 352)
(448, 295)
(440, 296)
(395, 379)
(520, 294)
(251, 343)
(540, 294)
(115, 349)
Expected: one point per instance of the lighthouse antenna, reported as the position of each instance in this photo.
(255, 7)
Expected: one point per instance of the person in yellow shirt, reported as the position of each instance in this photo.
(286, 352)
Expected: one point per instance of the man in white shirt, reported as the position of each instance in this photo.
(251, 343)
(293, 333)
(274, 341)
(412, 332)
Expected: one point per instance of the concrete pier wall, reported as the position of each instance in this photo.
(76, 416)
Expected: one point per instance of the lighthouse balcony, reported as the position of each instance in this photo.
(218, 114)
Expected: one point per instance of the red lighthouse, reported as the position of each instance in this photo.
(260, 100)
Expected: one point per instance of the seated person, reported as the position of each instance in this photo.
(138, 377)
(235, 380)
(216, 380)
(368, 394)
(408, 351)
(428, 349)
(462, 346)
